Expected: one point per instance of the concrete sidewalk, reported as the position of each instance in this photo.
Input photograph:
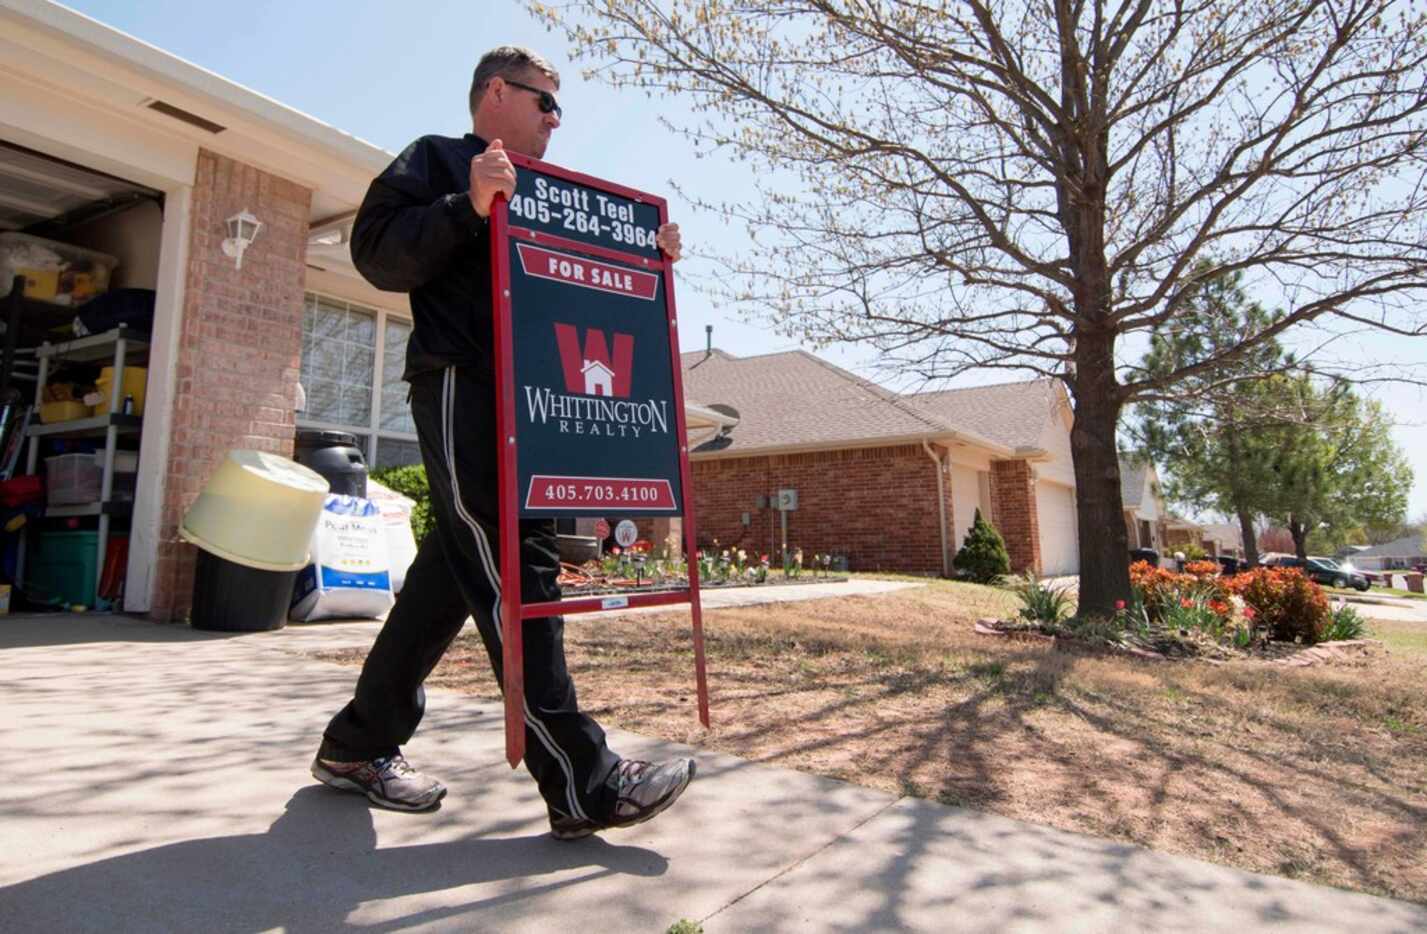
(157, 780)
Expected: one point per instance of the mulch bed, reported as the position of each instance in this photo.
(1188, 648)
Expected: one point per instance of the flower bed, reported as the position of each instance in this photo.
(635, 569)
(1264, 613)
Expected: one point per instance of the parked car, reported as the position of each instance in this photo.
(1229, 565)
(1322, 570)
(1145, 554)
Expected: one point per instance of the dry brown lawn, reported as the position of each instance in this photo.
(1314, 773)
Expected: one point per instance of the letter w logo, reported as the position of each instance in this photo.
(593, 372)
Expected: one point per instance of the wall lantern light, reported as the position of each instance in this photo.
(243, 229)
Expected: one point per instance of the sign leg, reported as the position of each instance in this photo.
(513, 652)
(699, 674)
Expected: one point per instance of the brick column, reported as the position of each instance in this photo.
(239, 351)
(1013, 499)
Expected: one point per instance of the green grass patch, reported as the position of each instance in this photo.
(1400, 637)
(1375, 592)
(1400, 727)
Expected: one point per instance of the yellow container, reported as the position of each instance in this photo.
(68, 410)
(42, 284)
(258, 510)
(135, 379)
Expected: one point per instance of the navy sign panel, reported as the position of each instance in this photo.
(597, 423)
(568, 209)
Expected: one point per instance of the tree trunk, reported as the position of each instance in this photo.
(1251, 543)
(1100, 511)
(1300, 538)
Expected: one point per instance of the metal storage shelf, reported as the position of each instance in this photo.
(94, 427)
(117, 346)
(117, 507)
(92, 348)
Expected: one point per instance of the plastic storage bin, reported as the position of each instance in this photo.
(62, 564)
(73, 478)
(54, 272)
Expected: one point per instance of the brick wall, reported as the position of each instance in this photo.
(877, 506)
(1013, 506)
(239, 348)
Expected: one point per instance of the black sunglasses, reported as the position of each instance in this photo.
(548, 104)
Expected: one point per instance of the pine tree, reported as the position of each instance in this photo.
(983, 556)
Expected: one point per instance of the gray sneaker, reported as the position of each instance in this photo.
(389, 781)
(645, 789)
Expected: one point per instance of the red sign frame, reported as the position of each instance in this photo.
(513, 609)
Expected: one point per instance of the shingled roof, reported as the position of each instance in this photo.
(794, 399)
(1014, 414)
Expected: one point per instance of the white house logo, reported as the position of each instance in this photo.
(597, 389)
(591, 369)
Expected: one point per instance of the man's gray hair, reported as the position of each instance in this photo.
(510, 62)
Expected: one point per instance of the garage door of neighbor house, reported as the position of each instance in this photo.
(1055, 510)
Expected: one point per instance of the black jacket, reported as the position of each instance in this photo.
(417, 232)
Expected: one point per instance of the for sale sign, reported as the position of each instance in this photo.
(597, 420)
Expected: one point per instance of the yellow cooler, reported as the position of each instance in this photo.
(135, 379)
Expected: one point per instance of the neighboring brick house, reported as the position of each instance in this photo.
(1216, 538)
(1146, 518)
(889, 481)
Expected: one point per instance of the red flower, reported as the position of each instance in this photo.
(1249, 612)
(614, 550)
(1186, 602)
(1119, 604)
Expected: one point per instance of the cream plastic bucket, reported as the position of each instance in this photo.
(258, 510)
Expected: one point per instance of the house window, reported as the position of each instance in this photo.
(1146, 534)
(352, 360)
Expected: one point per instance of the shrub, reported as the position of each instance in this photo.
(1198, 569)
(1193, 552)
(1285, 603)
(1344, 623)
(1041, 603)
(1200, 611)
(410, 481)
(1156, 589)
(983, 556)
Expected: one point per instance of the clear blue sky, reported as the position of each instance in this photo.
(390, 72)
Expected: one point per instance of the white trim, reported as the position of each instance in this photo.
(94, 45)
(146, 526)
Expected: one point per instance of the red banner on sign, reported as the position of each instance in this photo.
(617, 493)
(588, 273)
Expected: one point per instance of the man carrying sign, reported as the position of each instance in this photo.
(422, 229)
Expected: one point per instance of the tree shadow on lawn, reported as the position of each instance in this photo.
(1287, 806)
(314, 866)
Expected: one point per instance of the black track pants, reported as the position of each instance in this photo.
(457, 574)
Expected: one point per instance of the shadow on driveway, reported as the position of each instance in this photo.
(314, 866)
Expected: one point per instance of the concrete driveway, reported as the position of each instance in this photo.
(157, 780)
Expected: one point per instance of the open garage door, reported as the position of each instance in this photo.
(1060, 546)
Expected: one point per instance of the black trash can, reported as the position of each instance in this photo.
(334, 455)
(231, 597)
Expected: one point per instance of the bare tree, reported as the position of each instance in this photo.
(1026, 184)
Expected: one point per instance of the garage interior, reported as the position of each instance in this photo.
(79, 258)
